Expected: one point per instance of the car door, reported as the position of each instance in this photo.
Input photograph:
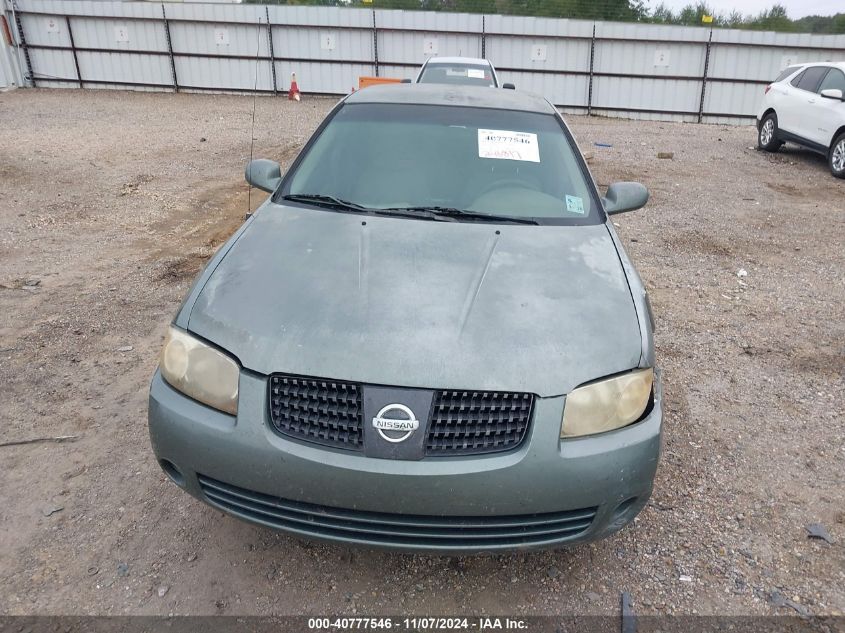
(802, 119)
(779, 88)
(825, 115)
(786, 98)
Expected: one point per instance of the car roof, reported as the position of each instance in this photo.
(840, 65)
(458, 60)
(453, 95)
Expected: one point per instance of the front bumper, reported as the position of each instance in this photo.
(546, 493)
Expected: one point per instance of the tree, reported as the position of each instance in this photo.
(662, 15)
(772, 19)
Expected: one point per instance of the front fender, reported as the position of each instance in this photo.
(645, 315)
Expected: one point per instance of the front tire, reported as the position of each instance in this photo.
(767, 135)
(836, 157)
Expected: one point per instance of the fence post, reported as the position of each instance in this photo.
(272, 52)
(704, 76)
(592, 57)
(22, 44)
(483, 39)
(375, 43)
(73, 50)
(170, 48)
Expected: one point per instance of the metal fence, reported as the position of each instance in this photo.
(614, 69)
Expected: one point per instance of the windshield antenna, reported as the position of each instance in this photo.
(252, 130)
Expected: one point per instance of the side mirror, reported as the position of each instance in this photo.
(624, 196)
(508, 86)
(407, 81)
(832, 93)
(264, 174)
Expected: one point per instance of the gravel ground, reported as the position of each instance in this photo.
(110, 202)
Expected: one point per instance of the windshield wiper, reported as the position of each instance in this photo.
(443, 214)
(452, 213)
(325, 201)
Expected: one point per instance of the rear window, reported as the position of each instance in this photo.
(786, 72)
(463, 74)
(810, 79)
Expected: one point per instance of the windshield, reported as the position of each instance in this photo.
(485, 161)
(465, 74)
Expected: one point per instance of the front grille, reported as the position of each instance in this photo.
(327, 412)
(472, 422)
(377, 528)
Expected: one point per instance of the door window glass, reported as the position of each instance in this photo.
(835, 79)
(812, 78)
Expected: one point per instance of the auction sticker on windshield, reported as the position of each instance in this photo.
(574, 204)
(508, 145)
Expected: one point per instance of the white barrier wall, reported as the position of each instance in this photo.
(10, 74)
(615, 69)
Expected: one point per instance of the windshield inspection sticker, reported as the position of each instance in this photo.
(475, 73)
(574, 204)
(508, 145)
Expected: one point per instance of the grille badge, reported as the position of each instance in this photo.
(395, 418)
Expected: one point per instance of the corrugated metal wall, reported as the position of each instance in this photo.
(10, 76)
(615, 69)
(553, 61)
(407, 38)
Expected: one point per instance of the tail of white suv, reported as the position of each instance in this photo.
(806, 105)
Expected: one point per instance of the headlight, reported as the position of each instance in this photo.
(607, 404)
(200, 371)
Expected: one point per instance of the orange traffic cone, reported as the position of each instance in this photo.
(293, 93)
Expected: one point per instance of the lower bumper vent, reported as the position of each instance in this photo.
(398, 530)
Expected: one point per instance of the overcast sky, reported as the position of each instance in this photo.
(795, 8)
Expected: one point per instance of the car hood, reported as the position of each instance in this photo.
(416, 303)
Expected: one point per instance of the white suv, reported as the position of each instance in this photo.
(806, 105)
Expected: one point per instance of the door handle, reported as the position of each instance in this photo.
(811, 100)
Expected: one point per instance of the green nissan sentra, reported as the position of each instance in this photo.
(428, 338)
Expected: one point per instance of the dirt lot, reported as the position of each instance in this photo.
(110, 202)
